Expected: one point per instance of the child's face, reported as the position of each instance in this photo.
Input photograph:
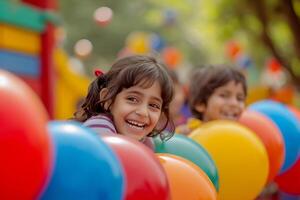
(137, 110)
(227, 102)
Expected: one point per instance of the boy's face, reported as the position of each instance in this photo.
(226, 103)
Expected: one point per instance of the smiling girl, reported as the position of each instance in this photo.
(131, 99)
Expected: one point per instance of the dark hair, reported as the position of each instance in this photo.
(125, 73)
(205, 80)
(173, 76)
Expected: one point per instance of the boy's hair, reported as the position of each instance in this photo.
(205, 80)
(125, 73)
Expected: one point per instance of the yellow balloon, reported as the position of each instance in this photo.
(239, 155)
(138, 42)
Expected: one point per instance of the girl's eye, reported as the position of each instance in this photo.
(132, 99)
(156, 106)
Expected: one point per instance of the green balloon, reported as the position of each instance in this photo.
(187, 148)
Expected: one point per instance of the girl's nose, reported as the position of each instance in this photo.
(142, 111)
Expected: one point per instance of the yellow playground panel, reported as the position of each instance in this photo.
(70, 87)
(19, 39)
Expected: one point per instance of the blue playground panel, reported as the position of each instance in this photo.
(20, 64)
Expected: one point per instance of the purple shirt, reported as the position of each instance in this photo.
(103, 123)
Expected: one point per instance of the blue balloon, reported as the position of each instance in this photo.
(85, 167)
(288, 125)
(244, 61)
(157, 43)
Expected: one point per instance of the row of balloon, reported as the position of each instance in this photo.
(240, 159)
(64, 160)
(139, 42)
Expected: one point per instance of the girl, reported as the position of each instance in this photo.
(131, 99)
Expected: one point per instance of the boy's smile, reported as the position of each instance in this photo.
(227, 102)
(136, 110)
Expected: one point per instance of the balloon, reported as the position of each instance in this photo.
(187, 148)
(296, 112)
(170, 17)
(240, 157)
(171, 57)
(187, 180)
(284, 94)
(271, 137)
(289, 181)
(233, 49)
(85, 167)
(244, 61)
(138, 42)
(273, 65)
(288, 125)
(145, 176)
(157, 43)
(25, 146)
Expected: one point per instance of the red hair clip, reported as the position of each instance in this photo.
(98, 72)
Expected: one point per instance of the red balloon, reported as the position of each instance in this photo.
(271, 137)
(25, 146)
(289, 181)
(273, 65)
(145, 177)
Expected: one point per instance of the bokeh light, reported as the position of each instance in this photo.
(103, 15)
(83, 47)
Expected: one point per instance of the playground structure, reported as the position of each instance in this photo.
(28, 49)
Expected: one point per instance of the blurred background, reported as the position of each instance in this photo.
(54, 46)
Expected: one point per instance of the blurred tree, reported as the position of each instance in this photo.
(269, 27)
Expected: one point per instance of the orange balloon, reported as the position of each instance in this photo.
(270, 136)
(187, 180)
(172, 57)
(295, 111)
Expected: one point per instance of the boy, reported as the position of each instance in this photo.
(216, 92)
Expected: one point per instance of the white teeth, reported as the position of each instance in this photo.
(137, 124)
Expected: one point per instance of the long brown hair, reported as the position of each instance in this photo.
(125, 73)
